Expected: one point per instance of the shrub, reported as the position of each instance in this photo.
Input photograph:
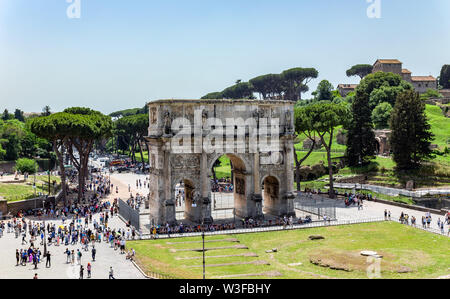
(26, 165)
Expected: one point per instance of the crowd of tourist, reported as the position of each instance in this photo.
(248, 223)
(356, 199)
(81, 231)
(426, 221)
(78, 231)
(223, 185)
(136, 202)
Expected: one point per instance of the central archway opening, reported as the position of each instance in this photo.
(271, 195)
(228, 194)
(184, 199)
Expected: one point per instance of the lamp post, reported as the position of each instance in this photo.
(34, 184)
(45, 237)
(194, 204)
(204, 265)
(49, 172)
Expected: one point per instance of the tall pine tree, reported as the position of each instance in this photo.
(361, 143)
(411, 136)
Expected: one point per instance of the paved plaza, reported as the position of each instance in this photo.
(106, 257)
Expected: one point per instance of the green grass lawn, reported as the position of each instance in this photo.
(440, 126)
(316, 157)
(15, 192)
(21, 191)
(424, 254)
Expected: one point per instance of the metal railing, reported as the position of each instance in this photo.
(129, 214)
(267, 228)
(156, 275)
(393, 191)
(430, 230)
(316, 205)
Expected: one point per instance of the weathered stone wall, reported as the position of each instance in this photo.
(423, 86)
(395, 68)
(29, 204)
(7, 166)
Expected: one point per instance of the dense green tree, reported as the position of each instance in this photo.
(74, 128)
(25, 165)
(18, 114)
(6, 115)
(360, 70)
(87, 127)
(24, 143)
(12, 147)
(2, 152)
(242, 90)
(411, 135)
(444, 78)
(55, 128)
(431, 94)
(324, 91)
(46, 111)
(268, 86)
(303, 126)
(361, 143)
(325, 117)
(213, 96)
(388, 94)
(296, 81)
(131, 130)
(381, 115)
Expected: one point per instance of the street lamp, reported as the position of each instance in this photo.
(194, 204)
(45, 241)
(203, 239)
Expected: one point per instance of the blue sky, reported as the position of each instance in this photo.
(120, 54)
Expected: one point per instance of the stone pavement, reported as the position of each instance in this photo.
(105, 257)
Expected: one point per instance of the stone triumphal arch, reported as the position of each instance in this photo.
(186, 137)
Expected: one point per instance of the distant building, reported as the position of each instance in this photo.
(387, 65)
(345, 89)
(421, 83)
(406, 75)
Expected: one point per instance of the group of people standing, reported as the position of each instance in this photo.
(426, 221)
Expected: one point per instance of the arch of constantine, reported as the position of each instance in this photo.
(186, 137)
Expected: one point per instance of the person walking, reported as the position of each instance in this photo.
(23, 238)
(89, 268)
(35, 260)
(81, 271)
(79, 255)
(111, 273)
(17, 257)
(94, 252)
(48, 262)
(67, 252)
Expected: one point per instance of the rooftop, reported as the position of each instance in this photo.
(388, 61)
(423, 78)
(406, 71)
